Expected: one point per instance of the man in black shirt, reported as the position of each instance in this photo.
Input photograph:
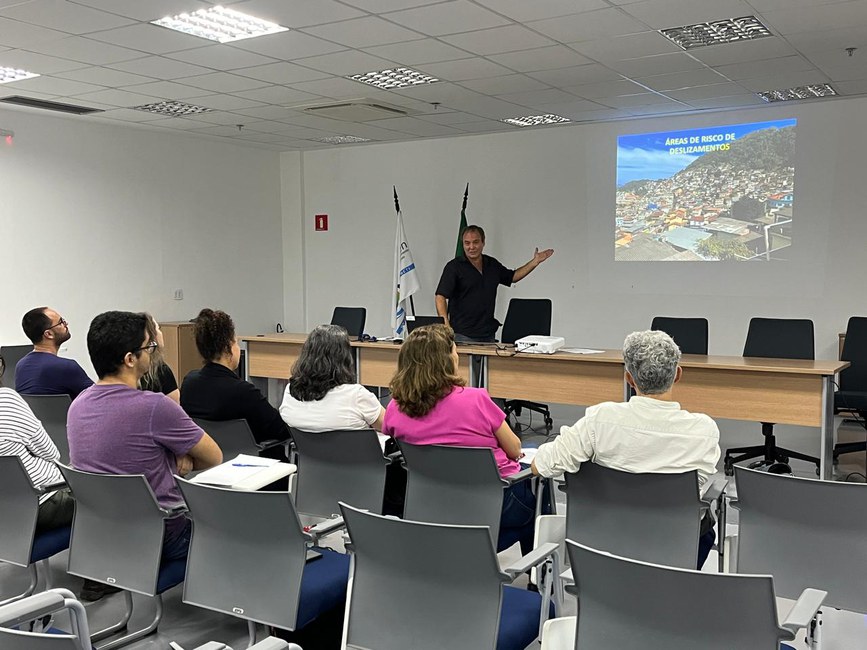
(467, 292)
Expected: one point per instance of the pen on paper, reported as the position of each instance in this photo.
(247, 465)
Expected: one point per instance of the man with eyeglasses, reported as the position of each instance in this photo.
(114, 428)
(42, 371)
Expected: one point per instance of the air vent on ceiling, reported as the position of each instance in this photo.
(356, 111)
(32, 102)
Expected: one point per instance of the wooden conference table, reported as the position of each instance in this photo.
(783, 391)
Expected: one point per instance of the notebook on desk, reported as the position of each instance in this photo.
(245, 472)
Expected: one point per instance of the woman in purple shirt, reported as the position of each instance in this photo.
(432, 406)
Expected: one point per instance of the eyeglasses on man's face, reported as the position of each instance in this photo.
(62, 321)
(150, 347)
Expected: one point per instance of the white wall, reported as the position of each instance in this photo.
(555, 187)
(96, 217)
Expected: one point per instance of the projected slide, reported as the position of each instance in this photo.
(710, 194)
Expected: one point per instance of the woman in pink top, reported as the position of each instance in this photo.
(432, 406)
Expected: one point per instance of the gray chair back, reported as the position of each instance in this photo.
(649, 517)
(51, 411)
(338, 466)
(453, 485)
(632, 605)
(806, 533)
(233, 436)
(12, 354)
(247, 553)
(117, 532)
(422, 586)
(35, 607)
(19, 507)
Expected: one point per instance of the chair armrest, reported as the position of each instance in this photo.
(534, 558)
(273, 643)
(210, 645)
(523, 475)
(805, 609)
(30, 608)
(267, 444)
(395, 456)
(713, 489)
(51, 487)
(324, 528)
(174, 510)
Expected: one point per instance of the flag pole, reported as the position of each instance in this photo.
(397, 210)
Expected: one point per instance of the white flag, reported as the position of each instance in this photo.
(405, 280)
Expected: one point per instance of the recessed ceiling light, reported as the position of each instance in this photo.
(173, 109)
(342, 139)
(798, 92)
(395, 78)
(535, 120)
(220, 24)
(14, 74)
(730, 30)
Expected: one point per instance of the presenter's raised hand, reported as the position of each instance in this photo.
(541, 256)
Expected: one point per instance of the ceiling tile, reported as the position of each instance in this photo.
(571, 109)
(607, 89)
(381, 6)
(150, 38)
(593, 25)
(658, 109)
(53, 86)
(631, 101)
(852, 87)
(150, 10)
(785, 80)
(464, 69)
(347, 62)
(733, 101)
(38, 63)
(160, 68)
(18, 34)
(334, 87)
(535, 98)
(298, 13)
(656, 64)
(364, 32)
(104, 77)
(447, 18)
(773, 5)
(130, 115)
(839, 65)
(544, 58)
(817, 17)
(77, 48)
(497, 40)
(427, 50)
(288, 46)
(221, 57)
(222, 82)
(630, 46)
(266, 112)
(414, 126)
(589, 73)
(118, 98)
(659, 14)
(524, 11)
(512, 83)
(485, 126)
(225, 102)
(281, 73)
(706, 92)
(600, 115)
(63, 16)
(449, 117)
(763, 48)
(221, 117)
(167, 90)
(764, 68)
(491, 107)
(829, 39)
(278, 95)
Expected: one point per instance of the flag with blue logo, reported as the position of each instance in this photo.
(405, 276)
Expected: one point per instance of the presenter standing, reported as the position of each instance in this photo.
(467, 291)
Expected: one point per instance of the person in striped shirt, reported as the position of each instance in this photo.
(22, 435)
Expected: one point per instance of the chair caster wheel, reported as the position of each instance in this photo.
(549, 424)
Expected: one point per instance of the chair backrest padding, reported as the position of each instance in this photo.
(526, 317)
(780, 338)
(51, 411)
(233, 436)
(19, 508)
(690, 334)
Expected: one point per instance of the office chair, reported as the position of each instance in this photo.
(12, 354)
(51, 410)
(19, 509)
(351, 319)
(804, 532)
(690, 334)
(423, 321)
(431, 586)
(776, 338)
(632, 605)
(852, 394)
(233, 436)
(526, 317)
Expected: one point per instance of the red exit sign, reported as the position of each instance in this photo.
(321, 222)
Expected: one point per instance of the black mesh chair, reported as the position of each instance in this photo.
(776, 338)
(12, 354)
(690, 334)
(527, 317)
(852, 395)
(423, 321)
(351, 319)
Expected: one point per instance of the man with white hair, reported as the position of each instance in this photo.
(649, 433)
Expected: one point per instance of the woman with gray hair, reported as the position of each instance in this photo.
(651, 359)
(323, 393)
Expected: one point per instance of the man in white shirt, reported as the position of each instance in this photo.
(649, 433)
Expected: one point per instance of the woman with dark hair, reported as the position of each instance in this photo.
(216, 392)
(159, 378)
(323, 394)
(432, 406)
